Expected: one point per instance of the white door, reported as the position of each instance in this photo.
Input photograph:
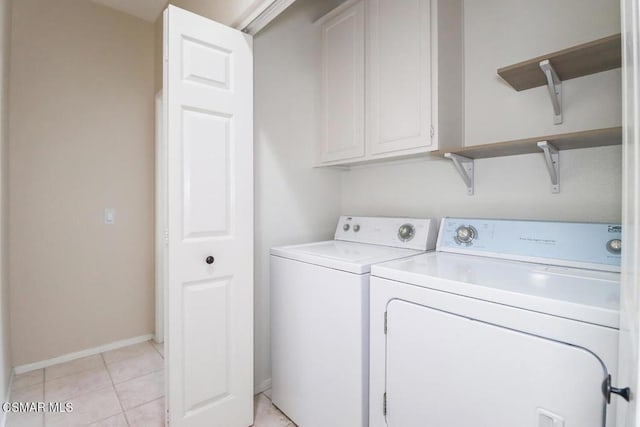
(399, 75)
(465, 372)
(343, 85)
(630, 287)
(208, 81)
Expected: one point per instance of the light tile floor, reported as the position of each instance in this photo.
(123, 387)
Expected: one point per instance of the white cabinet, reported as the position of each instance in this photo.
(399, 75)
(343, 85)
(413, 99)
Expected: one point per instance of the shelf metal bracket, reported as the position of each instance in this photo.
(554, 85)
(464, 166)
(552, 159)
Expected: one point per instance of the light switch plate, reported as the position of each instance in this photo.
(109, 216)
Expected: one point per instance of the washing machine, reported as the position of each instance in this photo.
(507, 324)
(320, 317)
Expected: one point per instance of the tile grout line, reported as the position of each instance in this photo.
(291, 423)
(83, 371)
(146, 403)
(85, 391)
(105, 366)
(131, 379)
(113, 385)
(138, 377)
(103, 360)
(130, 357)
(133, 357)
(153, 344)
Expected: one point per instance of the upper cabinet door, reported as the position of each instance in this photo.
(343, 85)
(399, 75)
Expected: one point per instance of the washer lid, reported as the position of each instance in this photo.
(584, 295)
(346, 256)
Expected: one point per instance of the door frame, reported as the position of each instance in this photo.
(629, 347)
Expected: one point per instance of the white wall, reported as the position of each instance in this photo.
(513, 187)
(81, 140)
(5, 348)
(294, 202)
(499, 33)
(226, 12)
(503, 32)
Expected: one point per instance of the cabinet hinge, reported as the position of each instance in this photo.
(384, 404)
(385, 323)
(432, 131)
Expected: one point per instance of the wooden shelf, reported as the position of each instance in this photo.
(565, 141)
(588, 58)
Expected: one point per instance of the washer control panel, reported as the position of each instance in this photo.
(584, 245)
(409, 233)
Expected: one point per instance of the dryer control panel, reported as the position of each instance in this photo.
(574, 244)
(408, 233)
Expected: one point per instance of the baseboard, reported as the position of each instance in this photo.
(80, 354)
(5, 414)
(263, 386)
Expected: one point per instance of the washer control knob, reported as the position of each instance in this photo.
(356, 228)
(614, 246)
(406, 232)
(346, 227)
(465, 234)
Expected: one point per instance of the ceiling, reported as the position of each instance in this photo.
(149, 10)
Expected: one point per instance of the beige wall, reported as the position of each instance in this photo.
(498, 33)
(5, 347)
(81, 140)
(294, 202)
(157, 55)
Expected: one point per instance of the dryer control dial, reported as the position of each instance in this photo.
(465, 234)
(614, 246)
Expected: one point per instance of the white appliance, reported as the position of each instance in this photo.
(508, 323)
(320, 317)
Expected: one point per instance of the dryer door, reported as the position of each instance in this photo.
(447, 370)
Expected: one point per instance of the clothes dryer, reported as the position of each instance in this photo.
(508, 323)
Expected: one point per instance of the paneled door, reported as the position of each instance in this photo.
(399, 75)
(343, 99)
(208, 83)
